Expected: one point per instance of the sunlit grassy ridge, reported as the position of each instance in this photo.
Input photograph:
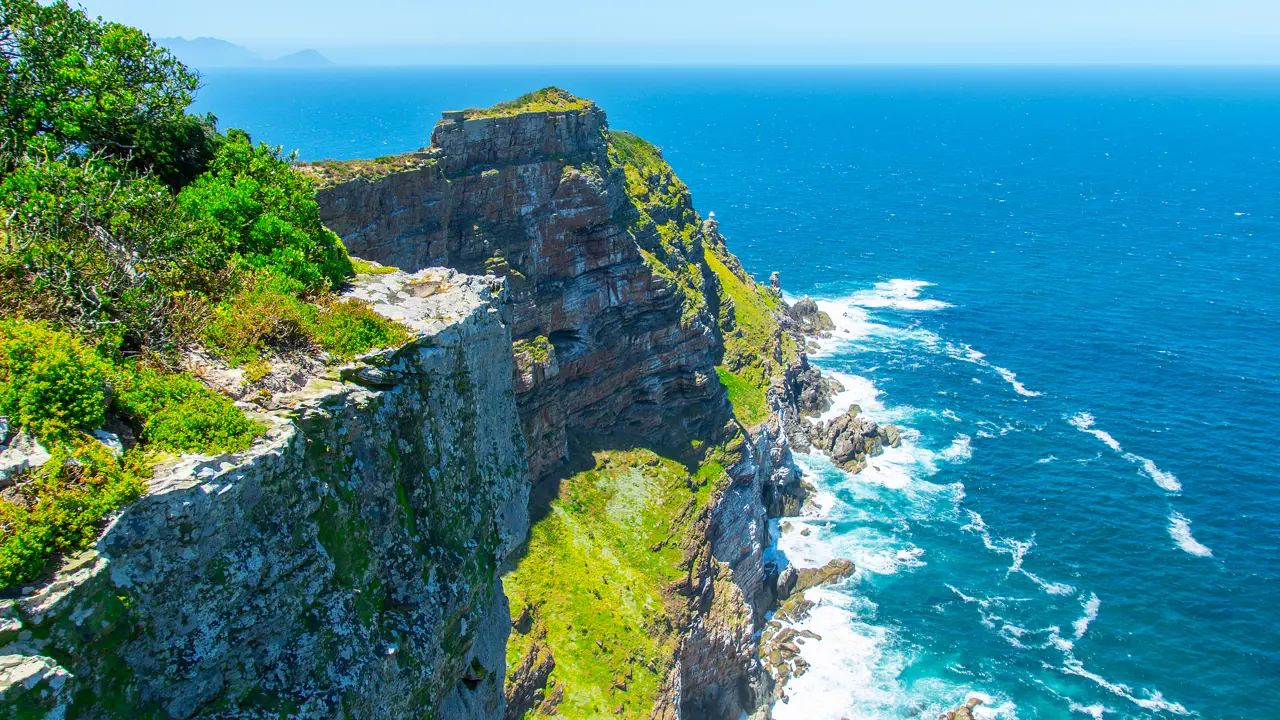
(598, 573)
(601, 572)
(545, 100)
(669, 233)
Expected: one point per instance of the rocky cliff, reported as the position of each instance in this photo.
(605, 343)
(643, 583)
(346, 565)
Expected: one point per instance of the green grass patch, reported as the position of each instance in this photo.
(364, 267)
(54, 386)
(269, 315)
(746, 396)
(548, 99)
(537, 348)
(596, 575)
(328, 173)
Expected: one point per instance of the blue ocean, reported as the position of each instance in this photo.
(1064, 284)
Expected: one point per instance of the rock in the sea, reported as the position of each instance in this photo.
(829, 574)
(850, 440)
(964, 712)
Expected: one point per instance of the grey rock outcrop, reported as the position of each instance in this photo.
(23, 452)
(346, 565)
(850, 440)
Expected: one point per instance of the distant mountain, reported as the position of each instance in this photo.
(304, 58)
(212, 52)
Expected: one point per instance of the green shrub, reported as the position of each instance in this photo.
(347, 327)
(53, 384)
(59, 508)
(73, 84)
(48, 379)
(178, 413)
(95, 247)
(255, 211)
(267, 315)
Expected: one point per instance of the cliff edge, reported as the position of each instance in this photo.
(653, 379)
(345, 565)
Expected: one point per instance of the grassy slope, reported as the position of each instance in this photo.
(599, 568)
(597, 576)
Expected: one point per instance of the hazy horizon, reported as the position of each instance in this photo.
(715, 32)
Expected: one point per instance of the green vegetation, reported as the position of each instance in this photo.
(268, 315)
(49, 380)
(707, 278)
(747, 397)
(252, 211)
(364, 267)
(73, 85)
(328, 173)
(132, 232)
(661, 220)
(599, 577)
(55, 386)
(548, 99)
(537, 348)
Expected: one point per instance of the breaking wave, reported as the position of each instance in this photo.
(897, 294)
(1180, 531)
(1167, 481)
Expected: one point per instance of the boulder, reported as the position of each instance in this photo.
(850, 440)
(23, 452)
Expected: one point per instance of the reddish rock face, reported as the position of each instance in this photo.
(533, 197)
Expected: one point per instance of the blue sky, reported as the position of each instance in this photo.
(363, 31)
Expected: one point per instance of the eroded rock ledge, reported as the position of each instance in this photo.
(346, 565)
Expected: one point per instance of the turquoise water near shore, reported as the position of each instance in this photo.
(1064, 283)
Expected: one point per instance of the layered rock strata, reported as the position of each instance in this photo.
(346, 565)
(603, 343)
(623, 312)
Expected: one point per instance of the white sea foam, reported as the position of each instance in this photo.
(966, 353)
(857, 391)
(1091, 607)
(1017, 551)
(1180, 531)
(958, 451)
(1084, 422)
(1011, 378)
(1153, 700)
(1095, 711)
(897, 294)
(1046, 460)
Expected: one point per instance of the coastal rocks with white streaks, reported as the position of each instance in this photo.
(346, 565)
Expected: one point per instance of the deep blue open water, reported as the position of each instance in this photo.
(1065, 285)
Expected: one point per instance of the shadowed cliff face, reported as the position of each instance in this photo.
(607, 342)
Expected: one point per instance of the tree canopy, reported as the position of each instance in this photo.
(75, 84)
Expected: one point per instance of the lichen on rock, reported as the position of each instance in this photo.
(346, 563)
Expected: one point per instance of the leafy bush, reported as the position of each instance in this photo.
(49, 380)
(265, 314)
(59, 507)
(347, 327)
(98, 249)
(253, 210)
(178, 413)
(268, 315)
(53, 384)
